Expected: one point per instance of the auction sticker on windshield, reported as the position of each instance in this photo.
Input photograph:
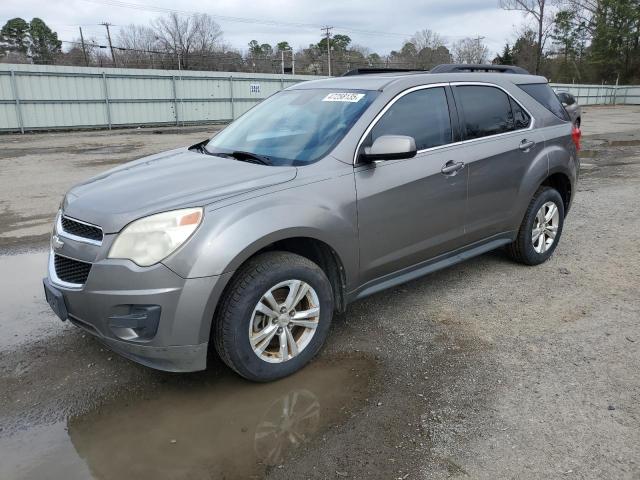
(343, 97)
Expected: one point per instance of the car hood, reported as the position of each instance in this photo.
(170, 180)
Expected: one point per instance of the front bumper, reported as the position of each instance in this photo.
(116, 288)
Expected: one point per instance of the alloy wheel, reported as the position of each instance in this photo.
(284, 321)
(545, 227)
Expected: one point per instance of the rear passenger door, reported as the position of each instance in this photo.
(499, 146)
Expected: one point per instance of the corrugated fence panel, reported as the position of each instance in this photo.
(63, 115)
(194, 111)
(631, 95)
(201, 88)
(242, 106)
(76, 97)
(5, 86)
(50, 87)
(601, 94)
(159, 88)
(142, 113)
(51, 97)
(8, 112)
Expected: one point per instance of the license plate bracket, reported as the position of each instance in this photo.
(55, 299)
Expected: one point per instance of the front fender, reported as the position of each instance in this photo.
(324, 211)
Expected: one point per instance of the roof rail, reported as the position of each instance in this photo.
(463, 67)
(373, 70)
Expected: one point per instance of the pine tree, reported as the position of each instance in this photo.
(14, 36)
(44, 42)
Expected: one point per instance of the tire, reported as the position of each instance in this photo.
(523, 249)
(578, 122)
(238, 321)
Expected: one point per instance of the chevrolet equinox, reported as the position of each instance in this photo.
(323, 194)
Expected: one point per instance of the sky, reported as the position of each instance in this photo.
(381, 26)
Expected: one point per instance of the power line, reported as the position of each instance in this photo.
(227, 18)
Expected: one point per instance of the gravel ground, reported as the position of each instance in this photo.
(486, 370)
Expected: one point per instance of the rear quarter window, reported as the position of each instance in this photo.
(487, 111)
(544, 95)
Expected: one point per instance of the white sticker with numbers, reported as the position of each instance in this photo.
(343, 97)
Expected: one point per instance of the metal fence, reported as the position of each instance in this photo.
(34, 97)
(601, 94)
(37, 97)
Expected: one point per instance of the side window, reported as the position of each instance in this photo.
(543, 93)
(520, 116)
(423, 115)
(487, 110)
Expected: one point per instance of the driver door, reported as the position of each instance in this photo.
(410, 211)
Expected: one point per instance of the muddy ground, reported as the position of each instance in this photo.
(486, 370)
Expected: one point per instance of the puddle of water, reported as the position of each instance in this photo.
(105, 149)
(588, 154)
(623, 143)
(222, 428)
(23, 309)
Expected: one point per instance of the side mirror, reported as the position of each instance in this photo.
(390, 147)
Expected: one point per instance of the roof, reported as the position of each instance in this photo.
(379, 81)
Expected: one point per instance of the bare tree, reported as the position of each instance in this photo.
(539, 11)
(191, 39)
(141, 44)
(427, 39)
(470, 50)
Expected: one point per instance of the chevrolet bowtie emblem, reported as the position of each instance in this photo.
(56, 242)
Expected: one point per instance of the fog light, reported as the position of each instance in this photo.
(135, 322)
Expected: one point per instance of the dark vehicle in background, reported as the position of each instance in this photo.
(572, 107)
(323, 194)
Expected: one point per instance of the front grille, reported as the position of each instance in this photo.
(71, 271)
(80, 229)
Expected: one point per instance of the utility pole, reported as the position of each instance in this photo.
(113, 55)
(327, 31)
(84, 49)
(479, 48)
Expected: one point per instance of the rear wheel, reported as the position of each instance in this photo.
(541, 228)
(274, 317)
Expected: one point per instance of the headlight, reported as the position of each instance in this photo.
(152, 239)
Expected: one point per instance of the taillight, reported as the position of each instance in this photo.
(575, 135)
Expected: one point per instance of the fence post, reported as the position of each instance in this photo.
(233, 110)
(16, 99)
(282, 84)
(175, 98)
(106, 98)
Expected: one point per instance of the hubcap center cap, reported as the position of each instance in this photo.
(283, 320)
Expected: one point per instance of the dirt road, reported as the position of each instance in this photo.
(486, 370)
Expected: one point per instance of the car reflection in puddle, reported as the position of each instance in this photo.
(226, 429)
(290, 421)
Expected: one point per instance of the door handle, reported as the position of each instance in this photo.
(525, 145)
(451, 167)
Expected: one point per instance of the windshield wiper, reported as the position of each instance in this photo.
(250, 157)
(237, 154)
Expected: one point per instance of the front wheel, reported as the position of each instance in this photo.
(541, 228)
(274, 317)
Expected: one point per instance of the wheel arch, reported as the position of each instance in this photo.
(561, 182)
(309, 246)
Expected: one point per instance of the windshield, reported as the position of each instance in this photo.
(294, 127)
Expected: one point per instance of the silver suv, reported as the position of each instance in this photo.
(323, 194)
